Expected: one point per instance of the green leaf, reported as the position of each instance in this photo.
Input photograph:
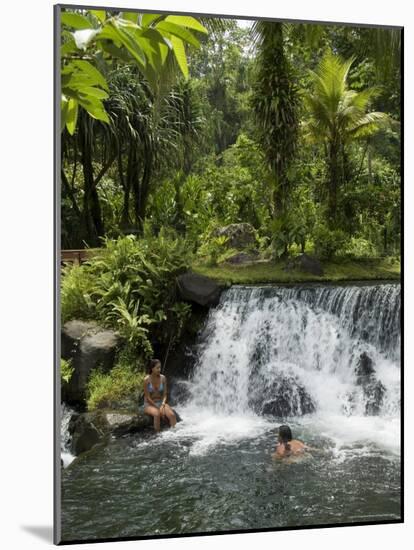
(72, 116)
(178, 31)
(99, 14)
(94, 92)
(148, 18)
(187, 21)
(78, 81)
(130, 16)
(121, 53)
(180, 56)
(95, 109)
(114, 31)
(156, 47)
(68, 47)
(91, 71)
(64, 104)
(75, 20)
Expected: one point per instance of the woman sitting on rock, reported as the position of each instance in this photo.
(155, 395)
(286, 446)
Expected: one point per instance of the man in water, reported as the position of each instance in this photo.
(288, 447)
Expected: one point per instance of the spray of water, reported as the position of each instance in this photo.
(65, 454)
(324, 357)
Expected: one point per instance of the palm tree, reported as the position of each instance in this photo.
(337, 116)
(275, 106)
(152, 133)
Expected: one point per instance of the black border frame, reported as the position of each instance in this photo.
(56, 277)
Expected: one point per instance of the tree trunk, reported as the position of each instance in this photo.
(92, 222)
(278, 198)
(66, 189)
(369, 159)
(333, 183)
(144, 188)
(126, 187)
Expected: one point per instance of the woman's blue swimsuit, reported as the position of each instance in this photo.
(151, 389)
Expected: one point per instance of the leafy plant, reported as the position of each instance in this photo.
(338, 115)
(66, 370)
(148, 40)
(132, 326)
(77, 288)
(212, 248)
(123, 383)
(130, 286)
(328, 242)
(286, 231)
(359, 247)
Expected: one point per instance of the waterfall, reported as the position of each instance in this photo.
(65, 416)
(320, 352)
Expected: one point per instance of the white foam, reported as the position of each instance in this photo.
(207, 430)
(300, 340)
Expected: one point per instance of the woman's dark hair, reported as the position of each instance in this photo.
(151, 364)
(285, 434)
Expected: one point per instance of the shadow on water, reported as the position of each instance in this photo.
(43, 532)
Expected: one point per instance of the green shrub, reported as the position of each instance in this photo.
(212, 249)
(124, 382)
(360, 248)
(66, 370)
(328, 242)
(130, 285)
(286, 231)
(77, 288)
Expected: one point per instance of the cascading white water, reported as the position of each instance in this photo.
(329, 355)
(66, 455)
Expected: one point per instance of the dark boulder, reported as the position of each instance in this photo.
(119, 423)
(89, 429)
(283, 397)
(374, 394)
(84, 432)
(305, 263)
(373, 389)
(180, 391)
(199, 289)
(239, 235)
(364, 369)
(88, 346)
(242, 258)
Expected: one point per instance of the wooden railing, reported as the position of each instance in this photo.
(76, 256)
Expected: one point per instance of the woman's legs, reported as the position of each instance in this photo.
(153, 411)
(169, 413)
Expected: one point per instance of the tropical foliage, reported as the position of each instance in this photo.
(105, 390)
(338, 116)
(175, 126)
(130, 285)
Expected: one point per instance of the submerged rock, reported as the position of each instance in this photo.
(89, 429)
(374, 394)
(283, 397)
(364, 369)
(373, 389)
(84, 433)
(180, 391)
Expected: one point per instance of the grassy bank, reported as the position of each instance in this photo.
(338, 270)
